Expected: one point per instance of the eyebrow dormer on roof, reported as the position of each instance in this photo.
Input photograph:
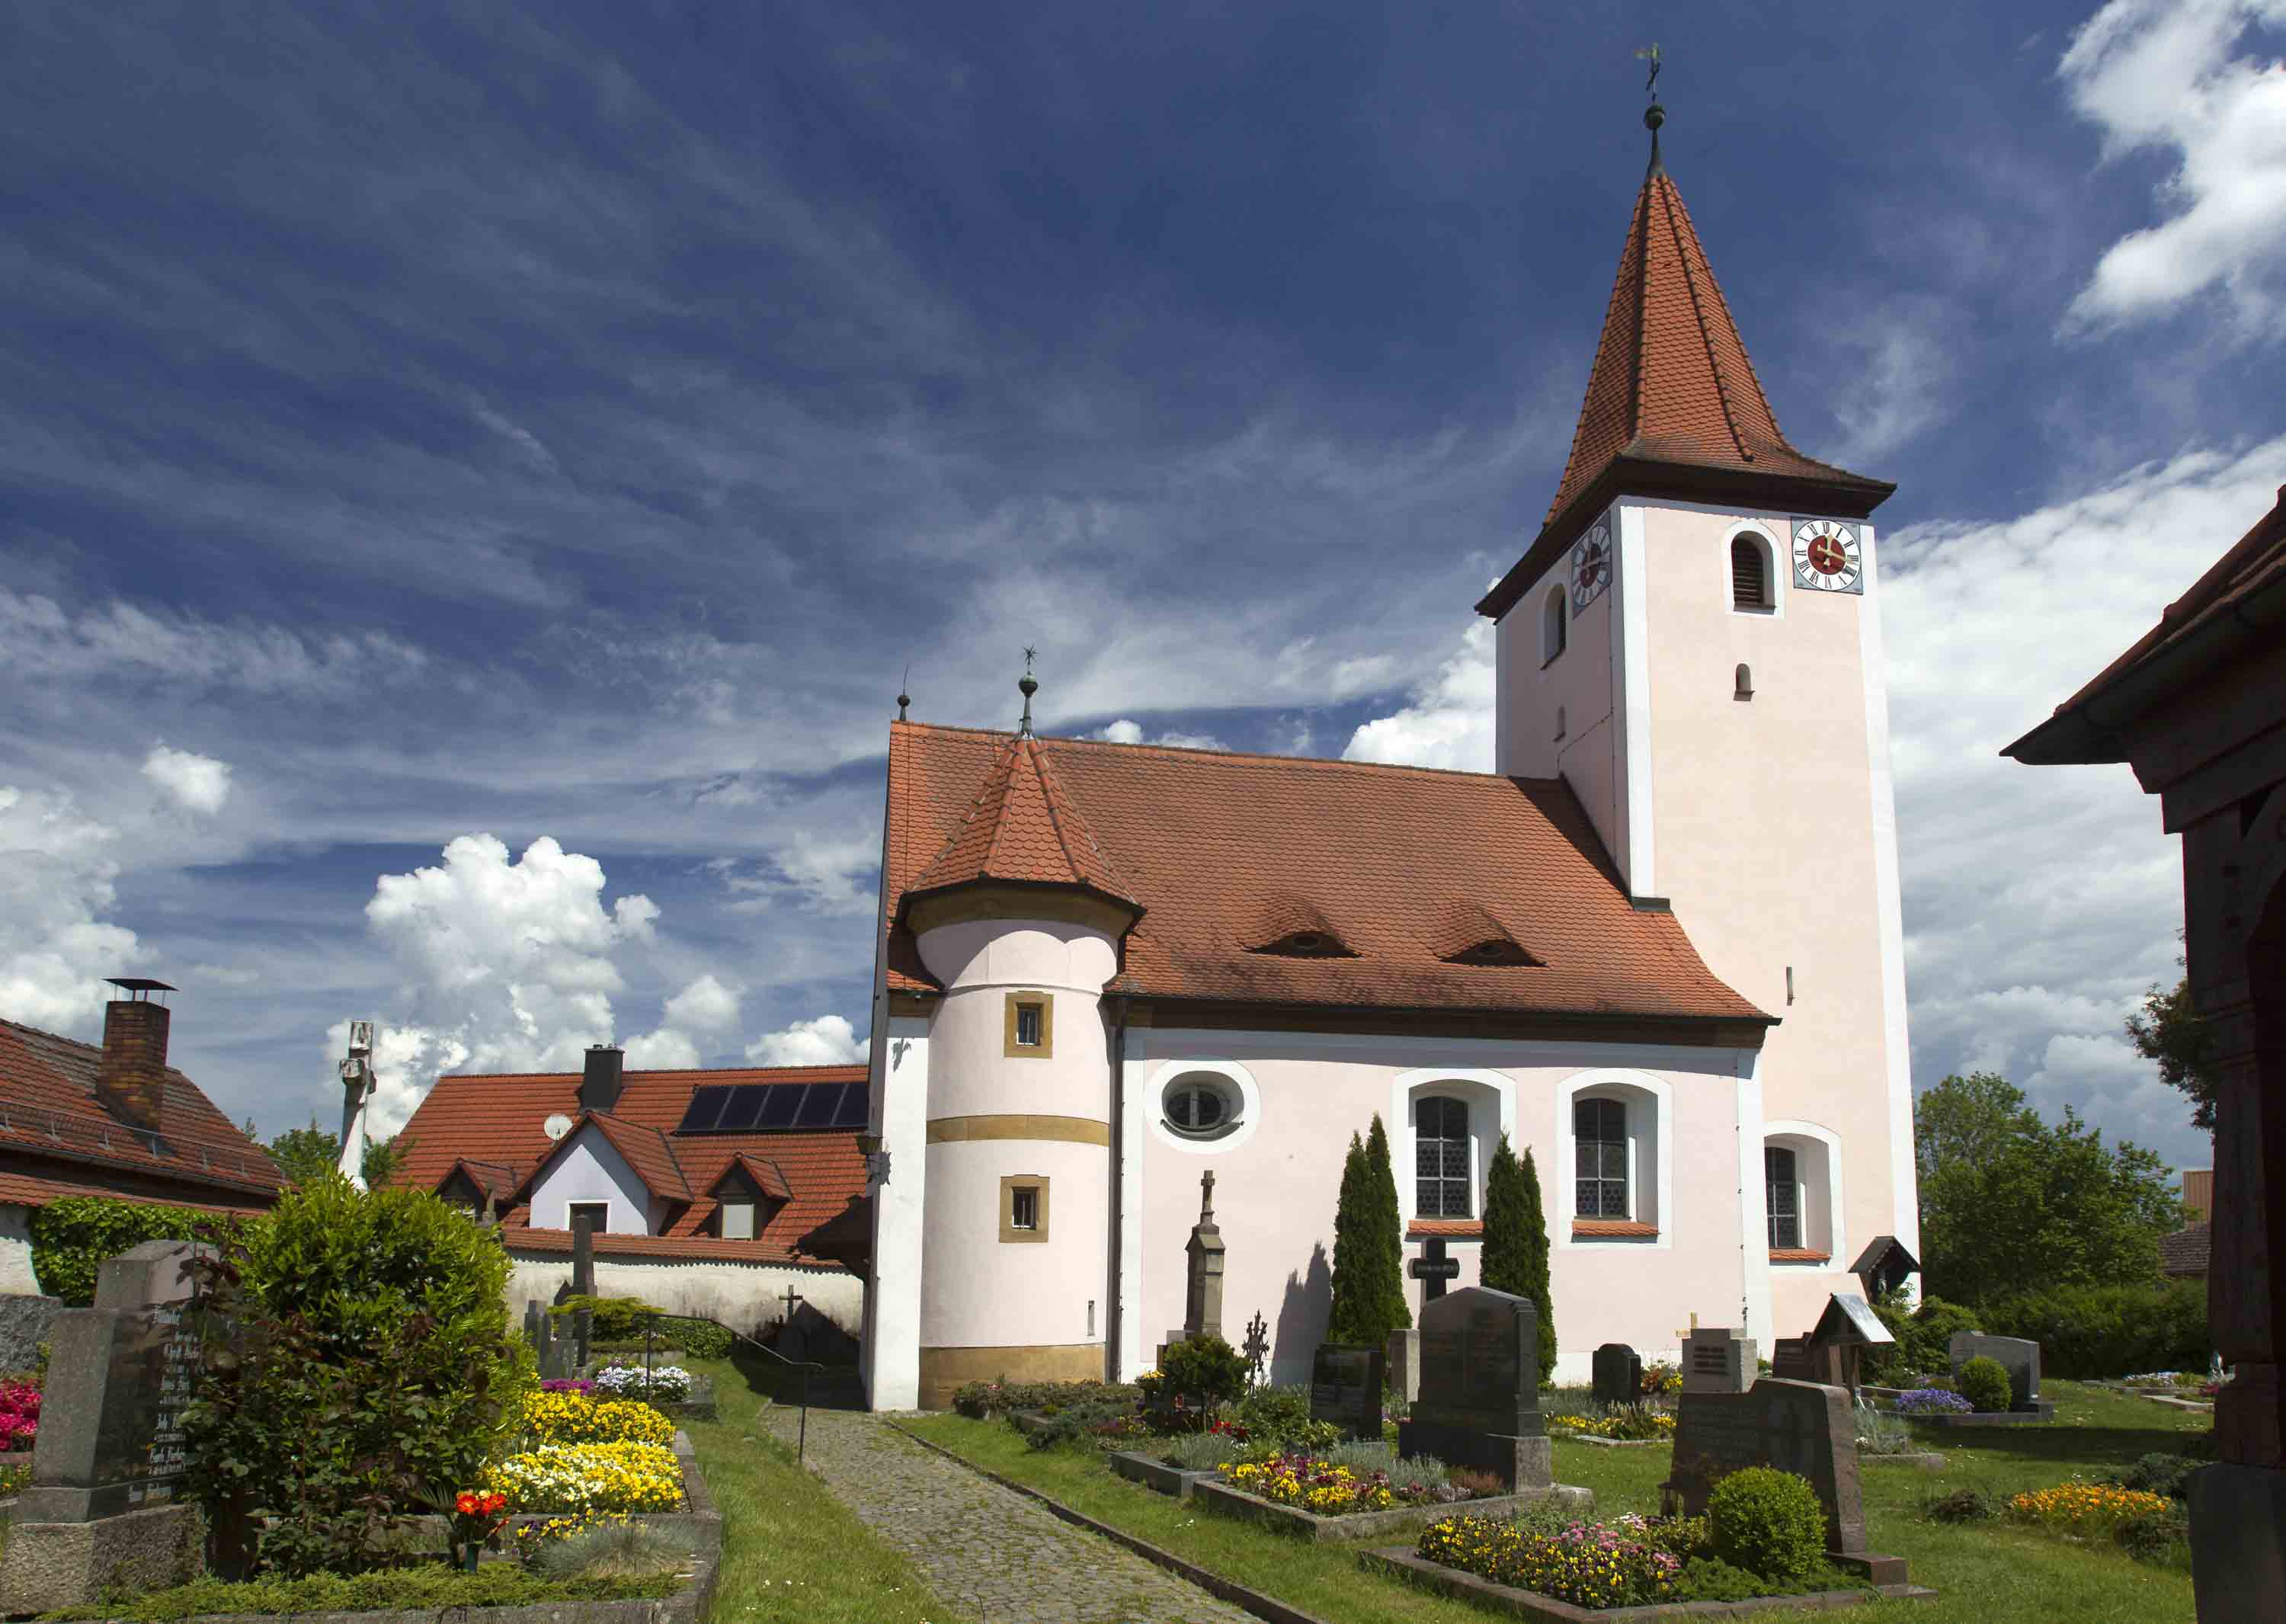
(1466, 932)
(1293, 927)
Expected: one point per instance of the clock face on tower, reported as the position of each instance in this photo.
(1591, 566)
(1826, 557)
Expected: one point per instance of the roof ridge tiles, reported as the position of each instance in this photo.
(1268, 758)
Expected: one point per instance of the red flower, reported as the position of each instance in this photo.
(466, 1504)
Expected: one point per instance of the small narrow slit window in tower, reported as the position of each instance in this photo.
(1744, 680)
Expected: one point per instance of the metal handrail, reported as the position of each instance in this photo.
(801, 1438)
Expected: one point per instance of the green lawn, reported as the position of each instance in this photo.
(791, 1552)
(1987, 1573)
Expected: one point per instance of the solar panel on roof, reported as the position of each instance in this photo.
(854, 1107)
(739, 1115)
(778, 1105)
(819, 1105)
(705, 1105)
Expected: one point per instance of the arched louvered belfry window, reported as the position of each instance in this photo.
(1750, 573)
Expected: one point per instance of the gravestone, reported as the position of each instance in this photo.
(101, 1512)
(1346, 1385)
(1479, 1400)
(2014, 1355)
(1432, 1269)
(1791, 1361)
(583, 1284)
(1202, 1268)
(1718, 1360)
(1404, 1351)
(1800, 1427)
(1617, 1373)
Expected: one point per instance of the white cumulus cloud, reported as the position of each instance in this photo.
(2188, 78)
(1449, 723)
(1126, 732)
(196, 783)
(56, 875)
(829, 1040)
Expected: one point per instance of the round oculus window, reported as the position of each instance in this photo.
(1200, 1107)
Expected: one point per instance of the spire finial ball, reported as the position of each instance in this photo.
(1654, 115)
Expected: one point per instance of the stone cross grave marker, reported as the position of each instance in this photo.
(110, 1455)
(1799, 1427)
(1346, 1385)
(1718, 1360)
(2018, 1356)
(1618, 1374)
(1202, 1275)
(1432, 1269)
(1479, 1401)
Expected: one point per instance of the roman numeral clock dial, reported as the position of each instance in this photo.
(1826, 557)
(1591, 566)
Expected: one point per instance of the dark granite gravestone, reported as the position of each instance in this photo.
(1797, 1427)
(1790, 1360)
(1346, 1385)
(110, 1457)
(2014, 1355)
(1479, 1403)
(1618, 1374)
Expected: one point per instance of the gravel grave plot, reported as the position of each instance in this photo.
(984, 1549)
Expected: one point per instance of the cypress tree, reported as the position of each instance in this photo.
(1506, 1264)
(1535, 1265)
(1352, 1248)
(1389, 1230)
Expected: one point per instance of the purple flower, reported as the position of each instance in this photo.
(1932, 1401)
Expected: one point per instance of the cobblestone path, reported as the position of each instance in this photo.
(1003, 1558)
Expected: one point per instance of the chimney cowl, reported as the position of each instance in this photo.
(130, 1080)
(599, 1083)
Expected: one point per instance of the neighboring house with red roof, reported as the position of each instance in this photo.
(1660, 947)
(112, 1119)
(709, 1192)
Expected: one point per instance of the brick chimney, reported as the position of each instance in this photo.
(131, 1079)
(599, 1087)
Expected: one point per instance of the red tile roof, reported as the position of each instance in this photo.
(1021, 828)
(2221, 607)
(498, 1119)
(30, 1190)
(48, 1111)
(1205, 842)
(2187, 1250)
(1673, 402)
(765, 1175)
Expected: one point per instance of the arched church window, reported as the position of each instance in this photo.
(1440, 1158)
(1599, 1131)
(1552, 626)
(1744, 683)
(1784, 1191)
(1750, 571)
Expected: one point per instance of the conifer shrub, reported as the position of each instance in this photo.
(1768, 1522)
(1351, 1317)
(1985, 1383)
(1514, 1258)
(1393, 1314)
(368, 1372)
(1205, 1367)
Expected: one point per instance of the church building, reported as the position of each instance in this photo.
(1659, 945)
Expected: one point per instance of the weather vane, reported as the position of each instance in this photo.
(1028, 687)
(1650, 54)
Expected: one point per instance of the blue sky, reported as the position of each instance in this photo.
(567, 423)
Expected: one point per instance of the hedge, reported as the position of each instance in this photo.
(74, 1237)
(2093, 1332)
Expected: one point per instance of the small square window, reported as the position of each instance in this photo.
(1030, 1031)
(1023, 1208)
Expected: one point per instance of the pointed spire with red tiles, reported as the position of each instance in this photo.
(1022, 829)
(1673, 405)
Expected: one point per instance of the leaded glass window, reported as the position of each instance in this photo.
(1440, 1158)
(1784, 1198)
(1599, 1131)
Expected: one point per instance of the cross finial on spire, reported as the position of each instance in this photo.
(1654, 115)
(904, 699)
(1027, 687)
(1206, 1196)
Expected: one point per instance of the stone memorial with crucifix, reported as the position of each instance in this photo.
(1202, 1274)
(1479, 1400)
(1805, 1428)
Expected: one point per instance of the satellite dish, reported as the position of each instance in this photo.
(556, 1126)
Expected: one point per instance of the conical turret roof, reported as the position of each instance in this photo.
(1673, 405)
(1022, 829)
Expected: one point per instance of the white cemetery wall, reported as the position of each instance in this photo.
(16, 1272)
(742, 1295)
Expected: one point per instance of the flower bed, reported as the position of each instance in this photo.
(1633, 1425)
(1932, 1401)
(622, 1477)
(2087, 1508)
(20, 1414)
(670, 1384)
(1589, 1565)
(575, 1418)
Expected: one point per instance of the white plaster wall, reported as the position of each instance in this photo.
(892, 1352)
(1276, 1193)
(16, 1275)
(743, 1295)
(976, 1290)
(1527, 696)
(589, 1169)
(1767, 848)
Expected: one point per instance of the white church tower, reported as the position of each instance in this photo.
(1694, 644)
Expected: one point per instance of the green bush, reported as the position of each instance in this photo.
(1275, 1409)
(429, 1589)
(2163, 1539)
(1769, 1522)
(2160, 1474)
(704, 1339)
(978, 1400)
(1082, 1422)
(1710, 1579)
(74, 1237)
(615, 1319)
(1965, 1505)
(1924, 1337)
(1205, 1367)
(1985, 1383)
(370, 1373)
(2096, 1332)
